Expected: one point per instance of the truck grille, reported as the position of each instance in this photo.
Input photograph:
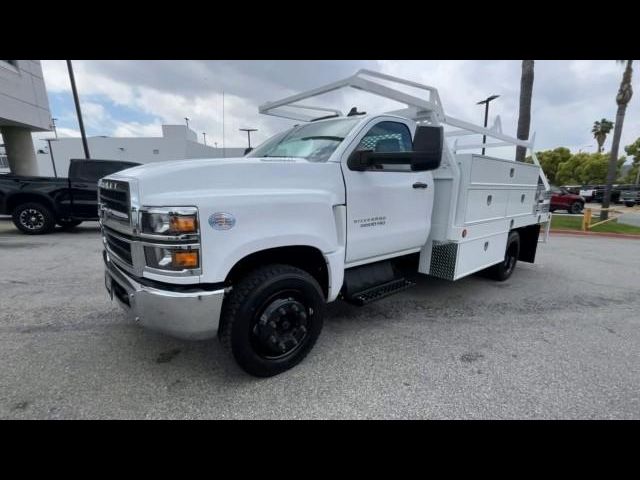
(114, 195)
(118, 246)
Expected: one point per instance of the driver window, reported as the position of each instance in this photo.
(388, 137)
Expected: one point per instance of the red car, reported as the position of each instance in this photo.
(562, 199)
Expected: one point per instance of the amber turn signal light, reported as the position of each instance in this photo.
(183, 224)
(185, 259)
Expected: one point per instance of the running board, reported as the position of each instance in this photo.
(380, 291)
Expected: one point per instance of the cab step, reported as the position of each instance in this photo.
(380, 291)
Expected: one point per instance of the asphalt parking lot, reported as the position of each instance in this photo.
(560, 339)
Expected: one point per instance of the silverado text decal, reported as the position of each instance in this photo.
(370, 222)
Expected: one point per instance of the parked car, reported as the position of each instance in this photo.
(563, 199)
(37, 204)
(630, 197)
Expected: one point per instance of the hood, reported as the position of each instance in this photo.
(182, 182)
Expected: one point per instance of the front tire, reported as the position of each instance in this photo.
(33, 218)
(503, 270)
(272, 318)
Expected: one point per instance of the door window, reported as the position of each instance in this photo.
(388, 137)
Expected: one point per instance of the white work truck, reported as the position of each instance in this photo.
(346, 207)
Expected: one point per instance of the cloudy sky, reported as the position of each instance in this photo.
(133, 98)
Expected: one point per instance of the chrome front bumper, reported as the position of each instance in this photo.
(193, 314)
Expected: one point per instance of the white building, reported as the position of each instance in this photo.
(24, 108)
(176, 143)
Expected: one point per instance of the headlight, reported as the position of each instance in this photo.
(170, 221)
(171, 258)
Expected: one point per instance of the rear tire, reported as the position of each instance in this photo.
(272, 318)
(33, 218)
(576, 208)
(503, 270)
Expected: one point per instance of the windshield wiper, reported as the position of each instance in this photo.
(323, 137)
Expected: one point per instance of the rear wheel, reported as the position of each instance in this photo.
(272, 319)
(576, 208)
(33, 218)
(504, 270)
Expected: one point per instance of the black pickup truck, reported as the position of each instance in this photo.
(38, 203)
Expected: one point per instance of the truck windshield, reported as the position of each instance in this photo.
(312, 141)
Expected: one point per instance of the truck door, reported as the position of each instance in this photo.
(388, 206)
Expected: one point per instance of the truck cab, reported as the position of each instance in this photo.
(347, 207)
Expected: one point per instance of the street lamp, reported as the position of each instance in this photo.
(248, 130)
(486, 115)
(53, 125)
(74, 90)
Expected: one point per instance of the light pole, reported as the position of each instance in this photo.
(204, 137)
(248, 130)
(486, 115)
(53, 125)
(186, 119)
(78, 111)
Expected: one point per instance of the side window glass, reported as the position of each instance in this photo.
(387, 137)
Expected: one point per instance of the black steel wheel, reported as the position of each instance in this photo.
(272, 318)
(33, 218)
(503, 270)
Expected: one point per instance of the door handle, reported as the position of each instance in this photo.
(420, 185)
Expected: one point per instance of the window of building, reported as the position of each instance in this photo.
(4, 161)
(156, 151)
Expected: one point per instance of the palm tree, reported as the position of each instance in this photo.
(524, 115)
(600, 131)
(625, 92)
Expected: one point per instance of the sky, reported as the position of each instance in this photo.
(134, 98)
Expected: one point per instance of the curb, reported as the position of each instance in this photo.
(580, 233)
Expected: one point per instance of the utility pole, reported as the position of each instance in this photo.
(78, 111)
(223, 149)
(186, 119)
(248, 130)
(53, 163)
(204, 137)
(486, 115)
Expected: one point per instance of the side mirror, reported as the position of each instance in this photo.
(426, 154)
(427, 148)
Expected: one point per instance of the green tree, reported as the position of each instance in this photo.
(600, 131)
(625, 92)
(550, 160)
(633, 150)
(585, 168)
(524, 115)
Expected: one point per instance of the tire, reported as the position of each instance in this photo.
(68, 224)
(576, 208)
(503, 270)
(629, 204)
(272, 318)
(33, 218)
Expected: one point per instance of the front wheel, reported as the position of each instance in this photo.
(503, 270)
(272, 318)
